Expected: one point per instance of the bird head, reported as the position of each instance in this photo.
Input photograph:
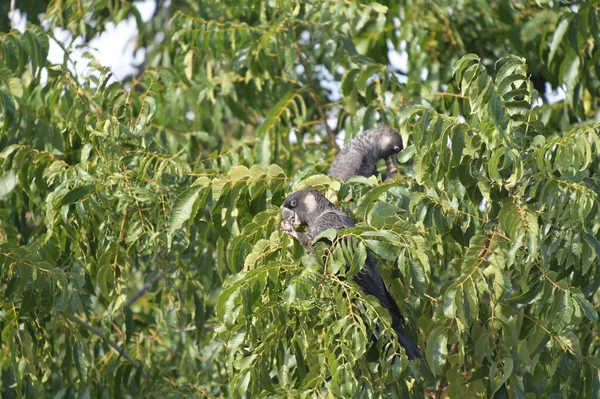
(390, 144)
(302, 207)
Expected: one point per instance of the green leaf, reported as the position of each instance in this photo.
(61, 302)
(592, 382)
(563, 310)
(105, 278)
(383, 249)
(289, 295)
(329, 234)
(366, 73)
(8, 182)
(185, 206)
(460, 65)
(507, 370)
(449, 302)
(588, 308)
(227, 307)
(505, 85)
(530, 296)
(436, 349)
(594, 242)
(6, 152)
(349, 81)
(509, 66)
(16, 87)
(363, 60)
(367, 201)
(379, 8)
(81, 362)
(260, 248)
(276, 113)
(569, 73)
(357, 262)
(557, 38)
(29, 301)
(417, 274)
(74, 195)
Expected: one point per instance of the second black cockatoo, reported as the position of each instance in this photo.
(310, 208)
(360, 156)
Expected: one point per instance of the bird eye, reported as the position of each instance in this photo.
(293, 203)
(396, 148)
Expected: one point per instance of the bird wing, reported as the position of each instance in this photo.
(335, 219)
(369, 278)
(347, 164)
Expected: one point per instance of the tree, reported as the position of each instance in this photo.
(139, 238)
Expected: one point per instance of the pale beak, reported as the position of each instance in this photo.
(391, 163)
(288, 215)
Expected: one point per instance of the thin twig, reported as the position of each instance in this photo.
(139, 293)
(100, 333)
(448, 94)
(207, 326)
(143, 290)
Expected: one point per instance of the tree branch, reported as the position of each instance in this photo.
(208, 326)
(99, 332)
(139, 293)
(143, 290)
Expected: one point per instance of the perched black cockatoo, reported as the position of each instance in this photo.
(310, 208)
(360, 156)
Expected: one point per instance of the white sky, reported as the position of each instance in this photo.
(114, 48)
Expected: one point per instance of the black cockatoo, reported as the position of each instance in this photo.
(360, 156)
(310, 208)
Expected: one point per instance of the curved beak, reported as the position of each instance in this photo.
(289, 216)
(391, 163)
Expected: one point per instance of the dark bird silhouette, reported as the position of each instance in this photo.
(360, 156)
(310, 208)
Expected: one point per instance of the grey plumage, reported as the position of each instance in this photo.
(360, 156)
(310, 208)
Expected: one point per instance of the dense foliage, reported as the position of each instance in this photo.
(139, 223)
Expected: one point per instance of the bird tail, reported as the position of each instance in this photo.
(412, 351)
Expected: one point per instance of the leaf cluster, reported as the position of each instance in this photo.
(140, 249)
